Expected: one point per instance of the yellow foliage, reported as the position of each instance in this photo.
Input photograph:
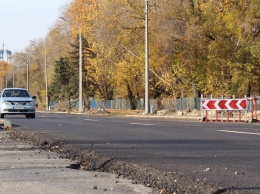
(187, 47)
(4, 69)
(82, 14)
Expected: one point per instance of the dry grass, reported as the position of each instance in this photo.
(124, 112)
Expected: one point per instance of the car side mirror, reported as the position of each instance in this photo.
(34, 97)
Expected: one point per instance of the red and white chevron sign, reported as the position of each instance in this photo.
(224, 104)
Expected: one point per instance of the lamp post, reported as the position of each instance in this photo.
(2, 52)
(9, 57)
(45, 75)
(146, 60)
(80, 72)
(80, 67)
(27, 73)
(46, 78)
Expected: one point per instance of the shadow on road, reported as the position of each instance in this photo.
(238, 190)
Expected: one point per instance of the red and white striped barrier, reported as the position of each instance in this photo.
(224, 104)
(228, 110)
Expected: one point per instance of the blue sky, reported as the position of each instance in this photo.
(25, 20)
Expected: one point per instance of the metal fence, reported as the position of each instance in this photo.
(169, 104)
(257, 104)
(113, 104)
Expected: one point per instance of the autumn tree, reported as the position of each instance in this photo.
(196, 46)
(4, 69)
(88, 81)
(61, 87)
(233, 68)
(246, 61)
(125, 24)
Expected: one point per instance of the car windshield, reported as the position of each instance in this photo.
(15, 93)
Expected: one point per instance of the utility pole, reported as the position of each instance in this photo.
(10, 60)
(2, 58)
(81, 110)
(2, 53)
(7, 62)
(80, 72)
(9, 57)
(26, 57)
(13, 70)
(147, 104)
(27, 73)
(46, 77)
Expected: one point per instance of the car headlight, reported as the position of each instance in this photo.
(6, 103)
(30, 103)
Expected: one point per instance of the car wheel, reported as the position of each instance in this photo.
(32, 116)
(2, 116)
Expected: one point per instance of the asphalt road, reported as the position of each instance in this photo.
(222, 153)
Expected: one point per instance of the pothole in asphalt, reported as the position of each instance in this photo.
(74, 166)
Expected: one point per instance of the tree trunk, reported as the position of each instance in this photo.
(248, 92)
(131, 97)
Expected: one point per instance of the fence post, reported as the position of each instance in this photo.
(252, 107)
(216, 113)
(227, 111)
(254, 111)
(222, 119)
(201, 108)
(211, 110)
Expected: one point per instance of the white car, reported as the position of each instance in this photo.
(17, 101)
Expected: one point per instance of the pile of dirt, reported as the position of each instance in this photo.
(195, 113)
(99, 111)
